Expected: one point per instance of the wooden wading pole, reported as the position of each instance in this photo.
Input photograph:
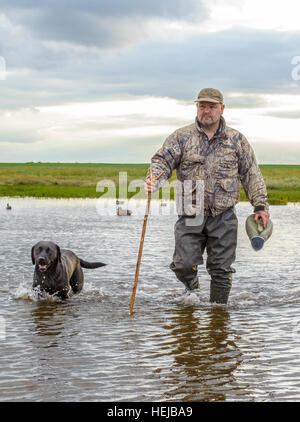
(141, 246)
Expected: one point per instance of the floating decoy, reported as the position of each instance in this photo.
(120, 211)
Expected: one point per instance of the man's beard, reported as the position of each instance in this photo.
(208, 125)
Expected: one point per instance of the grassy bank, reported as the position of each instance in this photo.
(76, 180)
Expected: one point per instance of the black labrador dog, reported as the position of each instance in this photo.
(58, 271)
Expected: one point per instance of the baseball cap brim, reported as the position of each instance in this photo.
(210, 100)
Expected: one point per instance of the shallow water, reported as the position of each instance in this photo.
(174, 347)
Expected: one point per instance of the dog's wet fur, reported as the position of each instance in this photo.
(58, 271)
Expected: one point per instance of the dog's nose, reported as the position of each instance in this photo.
(42, 261)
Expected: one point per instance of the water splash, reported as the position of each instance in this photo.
(24, 291)
(27, 293)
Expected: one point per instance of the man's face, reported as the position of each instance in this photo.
(209, 114)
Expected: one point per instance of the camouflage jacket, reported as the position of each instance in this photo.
(219, 163)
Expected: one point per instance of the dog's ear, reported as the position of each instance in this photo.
(32, 255)
(58, 253)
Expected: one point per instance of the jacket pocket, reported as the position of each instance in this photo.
(230, 184)
(227, 193)
(193, 159)
(227, 169)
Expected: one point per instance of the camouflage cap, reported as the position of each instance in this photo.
(211, 95)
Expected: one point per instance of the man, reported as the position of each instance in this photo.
(218, 156)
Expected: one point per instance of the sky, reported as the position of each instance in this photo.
(109, 80)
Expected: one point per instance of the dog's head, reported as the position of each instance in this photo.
(45, 254)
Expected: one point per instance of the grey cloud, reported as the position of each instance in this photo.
(98, 23)
(232, 122)
(284, 114)
(283, 153)
(245, 101)
(19, 136)
(247, 62)
(252, 61)
(133, 120)
(169, 8)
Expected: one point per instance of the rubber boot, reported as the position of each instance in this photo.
(219, 294)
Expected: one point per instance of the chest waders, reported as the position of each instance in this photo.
(218, 235)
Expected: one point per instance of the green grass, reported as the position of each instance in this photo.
(79, 180)
(63, 180)
(283, 183)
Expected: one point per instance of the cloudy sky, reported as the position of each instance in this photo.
(109, 80)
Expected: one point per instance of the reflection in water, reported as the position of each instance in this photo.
(205, 355)
(54, 342)
(52, 330)
(52, 320)
(46, 324)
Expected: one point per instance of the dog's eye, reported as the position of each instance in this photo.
(47, 250)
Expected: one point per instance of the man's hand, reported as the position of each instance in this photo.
(150, 185)
(264, 216)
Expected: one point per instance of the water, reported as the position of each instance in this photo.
(174, 347)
